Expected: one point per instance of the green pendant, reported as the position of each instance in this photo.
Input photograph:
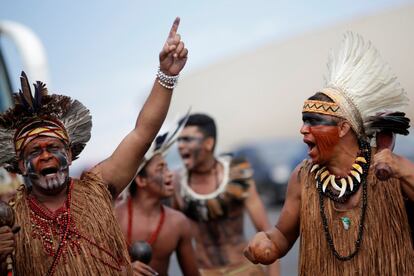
(346, 222)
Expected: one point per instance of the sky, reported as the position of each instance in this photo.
(105, 53)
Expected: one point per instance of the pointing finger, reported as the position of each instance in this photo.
(174, 27)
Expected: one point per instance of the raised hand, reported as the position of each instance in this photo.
(173, 55)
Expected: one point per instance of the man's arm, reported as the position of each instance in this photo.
(256, 209)
(185, 252)
(118, 170)
(266, 247)
(257, 213)
(401, 168)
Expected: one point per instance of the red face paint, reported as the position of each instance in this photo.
(326, 138)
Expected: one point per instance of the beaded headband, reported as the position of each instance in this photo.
(38, 128)
(322, 107)
(41, 114)
(361, 85)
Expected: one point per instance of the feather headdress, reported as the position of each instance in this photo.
(163, 142)
(56, 115)
(362, 85)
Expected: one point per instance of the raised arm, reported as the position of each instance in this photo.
(118, 170)
(266, 247)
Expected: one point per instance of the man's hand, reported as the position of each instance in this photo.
(261, 250)
(173, 55)
(143, 269)
(7, 241)
(393, 161)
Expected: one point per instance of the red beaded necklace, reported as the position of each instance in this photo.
(46, 224)
(154, 235)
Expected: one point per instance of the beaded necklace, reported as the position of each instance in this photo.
(47, 224)
(154, 235)
(366, 150)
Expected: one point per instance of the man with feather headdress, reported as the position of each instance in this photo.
(67, 225)
(347, 201)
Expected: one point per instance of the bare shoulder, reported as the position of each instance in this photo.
(174, 215)
(177, 218)
(295, 181)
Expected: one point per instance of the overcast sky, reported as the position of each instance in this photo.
(105, 53)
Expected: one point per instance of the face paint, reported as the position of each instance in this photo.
(190, 146)
(51, 178)
(321, 133)
(326, 138)
(315, 119)
(159, 178)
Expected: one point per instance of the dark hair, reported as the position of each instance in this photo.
(205, 124)
(319, 96)
(133, 185)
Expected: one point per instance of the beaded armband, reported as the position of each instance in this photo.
(169, 82)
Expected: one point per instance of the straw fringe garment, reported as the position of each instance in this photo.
(92, 214)
(386, 244)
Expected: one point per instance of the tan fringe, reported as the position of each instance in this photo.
(91, 210)
(386, 244)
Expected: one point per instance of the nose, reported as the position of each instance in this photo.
(168, 174)
(45, 155)
(180, 144)
(304, 129)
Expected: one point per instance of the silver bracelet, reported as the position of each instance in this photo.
(169, 82)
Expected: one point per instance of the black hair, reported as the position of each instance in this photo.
(205, 124)
(133, 190)
(319, 96)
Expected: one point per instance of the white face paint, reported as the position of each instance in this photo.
(47, 166)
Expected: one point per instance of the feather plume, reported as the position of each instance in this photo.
(358, 71)
(74, 116)
(395, 122)
(163, 142)
(25, 92)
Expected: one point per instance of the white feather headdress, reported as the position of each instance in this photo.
(362, 84)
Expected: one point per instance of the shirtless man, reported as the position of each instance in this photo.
(214, 193)
(143, 217)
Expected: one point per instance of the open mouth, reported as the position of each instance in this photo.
(185, 156)
(48, 171)
(311, 145)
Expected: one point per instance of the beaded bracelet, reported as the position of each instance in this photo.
(169, 82)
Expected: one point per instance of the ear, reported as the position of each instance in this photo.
(22, 167)
(140, 181)
(344, 128)
(69, 156)
(209, 143)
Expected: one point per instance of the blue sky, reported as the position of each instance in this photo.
(105, 53)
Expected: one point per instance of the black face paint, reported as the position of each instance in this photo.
(51, 181)
(315, 119)
(189, 139)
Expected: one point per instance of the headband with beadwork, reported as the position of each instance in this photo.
(361, 86)
(31, 116)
